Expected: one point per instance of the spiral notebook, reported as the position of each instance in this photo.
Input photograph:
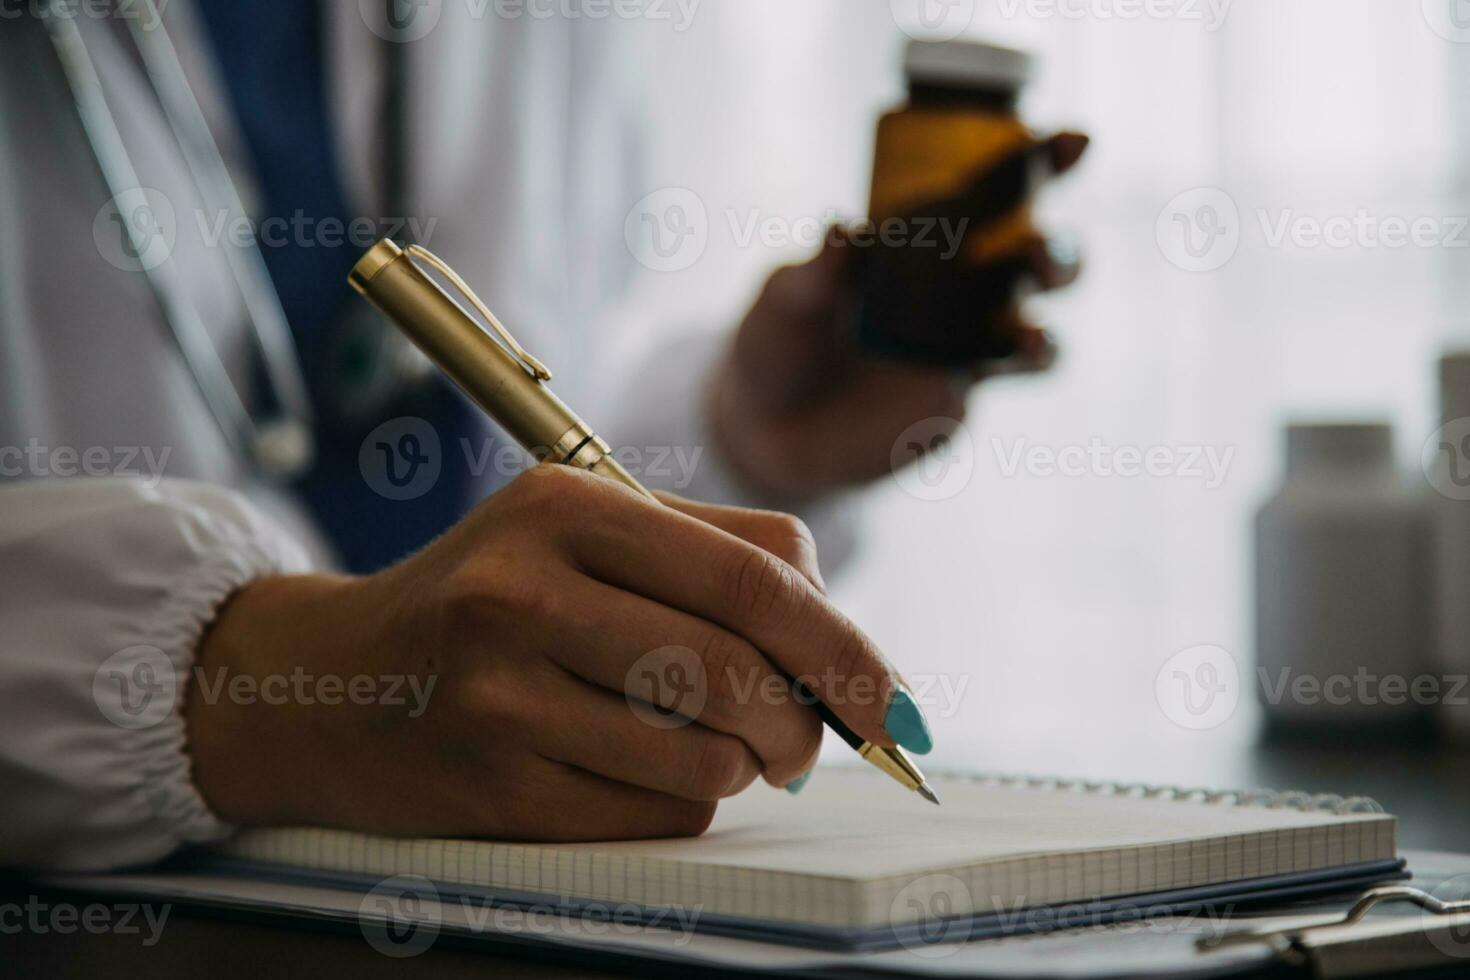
(856, 863)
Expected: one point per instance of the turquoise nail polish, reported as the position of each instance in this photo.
(906, 724)
(795, 785)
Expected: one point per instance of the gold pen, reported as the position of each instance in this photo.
(510, 385)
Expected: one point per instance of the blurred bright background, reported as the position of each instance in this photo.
(1048, 604)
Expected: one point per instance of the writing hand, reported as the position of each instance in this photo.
(546, 618)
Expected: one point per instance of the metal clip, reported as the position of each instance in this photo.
(533, 367)
(1288, 940)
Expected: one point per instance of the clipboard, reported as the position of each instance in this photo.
(1169, 949)
(1351, 945)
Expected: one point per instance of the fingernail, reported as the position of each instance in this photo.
(796, 784)
(1064, 252)
(1067, 149)
(905, 723)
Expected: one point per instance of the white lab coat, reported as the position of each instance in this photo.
(525, 136)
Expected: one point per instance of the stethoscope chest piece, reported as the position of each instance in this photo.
(283, 448)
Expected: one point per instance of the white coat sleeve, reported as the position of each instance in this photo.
(106, 587)
(659, 431)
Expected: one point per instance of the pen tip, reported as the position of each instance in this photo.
(928, 793)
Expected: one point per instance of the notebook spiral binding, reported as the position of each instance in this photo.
(1278, 799)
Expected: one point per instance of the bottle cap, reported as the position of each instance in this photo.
(1454, 384)
(968, 64)
(1349, 445)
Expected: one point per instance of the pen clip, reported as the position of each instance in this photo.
(533, 367)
